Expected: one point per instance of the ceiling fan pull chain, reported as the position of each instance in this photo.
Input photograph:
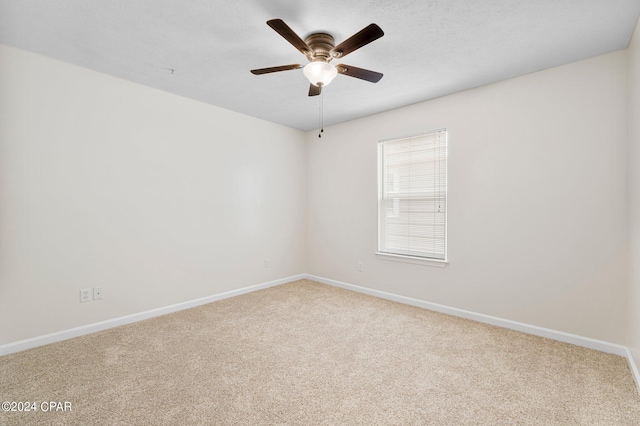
(321, 114)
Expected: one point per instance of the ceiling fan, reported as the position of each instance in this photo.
(320, 50)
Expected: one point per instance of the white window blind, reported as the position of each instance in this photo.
(412, 203)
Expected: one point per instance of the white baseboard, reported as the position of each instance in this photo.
(128, 319)
(487, 319)
(634, 369)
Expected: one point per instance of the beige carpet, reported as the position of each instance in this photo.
(309, 354)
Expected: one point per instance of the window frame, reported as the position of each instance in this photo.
(410, 258)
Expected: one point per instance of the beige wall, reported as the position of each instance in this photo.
(634, 194)
(156, 198)
(537, 207)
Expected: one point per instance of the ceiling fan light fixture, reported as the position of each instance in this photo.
(320, 73)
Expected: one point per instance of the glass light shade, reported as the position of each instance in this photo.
(320, 73)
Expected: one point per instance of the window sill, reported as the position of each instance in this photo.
(412, 259)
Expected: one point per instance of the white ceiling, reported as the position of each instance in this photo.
(430, 48)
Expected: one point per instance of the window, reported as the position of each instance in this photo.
(412, 200)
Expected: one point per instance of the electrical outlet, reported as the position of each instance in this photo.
(266, 263)
(98, 293)
(85, 295)
(360, 266)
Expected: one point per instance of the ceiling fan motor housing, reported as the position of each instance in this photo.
(321, 44)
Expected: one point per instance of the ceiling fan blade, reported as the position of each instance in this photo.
(360, 73)
(285, 31)
(276, 69)
(314, 90)
(361, 38)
